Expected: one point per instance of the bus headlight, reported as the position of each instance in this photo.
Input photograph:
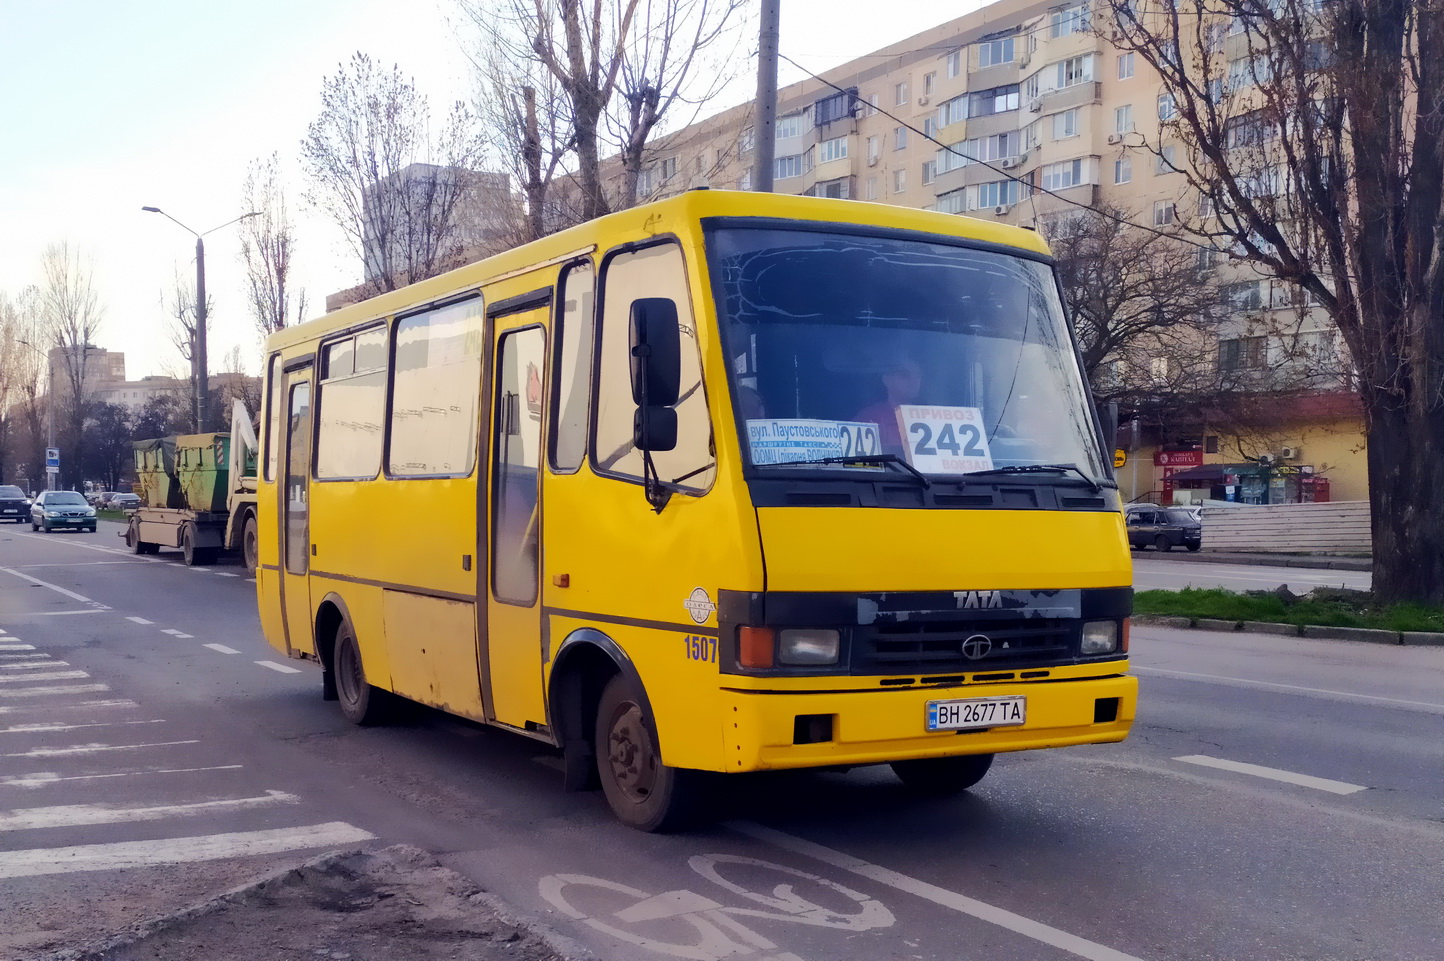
(1100, 637)
(809, 646)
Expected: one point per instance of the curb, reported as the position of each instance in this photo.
(1317, 561)
(102, 949)
(1317, 632)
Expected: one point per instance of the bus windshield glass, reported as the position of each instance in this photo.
(954, 359)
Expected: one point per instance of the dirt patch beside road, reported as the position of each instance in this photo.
(384, 905)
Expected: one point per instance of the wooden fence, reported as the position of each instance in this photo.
(1341, 527)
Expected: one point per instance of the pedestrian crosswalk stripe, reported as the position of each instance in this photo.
(70, 815)
(11, 646)
(42, 727)
(135, 854)
(31, 665)
(54, 689)
(92, 749)
(47, 778)
(56, 676)
(80, 706)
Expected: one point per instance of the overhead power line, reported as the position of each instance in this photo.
(1106, 214)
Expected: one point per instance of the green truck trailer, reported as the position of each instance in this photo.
(198, 494)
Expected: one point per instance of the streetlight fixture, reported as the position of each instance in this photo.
(202, 375)
(49, 401)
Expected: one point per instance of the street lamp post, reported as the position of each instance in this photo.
(49, 402)
(202, 372)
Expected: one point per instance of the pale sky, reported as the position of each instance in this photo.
(109, 106)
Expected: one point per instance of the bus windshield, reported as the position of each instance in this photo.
(955, 359)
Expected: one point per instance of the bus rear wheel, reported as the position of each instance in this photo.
(643, 792)
(361, 703)
(943, 776)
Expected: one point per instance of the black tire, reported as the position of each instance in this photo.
(943, 776)
(132, 539)
(250, 543)
(1162, 543)
(188, 549)
(1194, 547)
(643, 792)
(361, 703)
(34, 526)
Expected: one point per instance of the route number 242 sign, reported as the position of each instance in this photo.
(945, 440)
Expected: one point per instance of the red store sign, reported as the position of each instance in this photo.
(1178, 458)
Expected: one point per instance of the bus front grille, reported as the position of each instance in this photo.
(939, 646)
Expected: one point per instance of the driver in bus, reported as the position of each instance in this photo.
(902, 384)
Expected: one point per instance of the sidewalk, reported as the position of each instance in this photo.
(1205, 556)
(387, 905)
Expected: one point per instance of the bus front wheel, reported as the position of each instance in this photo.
(943, 776)
(361, 703)
(643, 792)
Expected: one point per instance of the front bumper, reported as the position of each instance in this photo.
(878, 726)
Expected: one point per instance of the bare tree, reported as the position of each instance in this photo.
(71, 314)
(380, 173)
(1315, 134)
(237, 385)
(679, 55)
(23, 369)
(581, 46)
(1145, 305)
(520, 105)
(267, 245)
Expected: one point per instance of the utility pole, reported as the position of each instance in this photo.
(202, 375)
(203, 398)
(764, 129)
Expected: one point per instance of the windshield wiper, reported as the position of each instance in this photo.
(888, 459)
(1040, 469)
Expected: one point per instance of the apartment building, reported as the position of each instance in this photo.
(1019, 113)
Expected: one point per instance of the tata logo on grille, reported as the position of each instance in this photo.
(979, 600)
(977, 647)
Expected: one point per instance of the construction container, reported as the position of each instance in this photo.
(155, 471)
(203, 464)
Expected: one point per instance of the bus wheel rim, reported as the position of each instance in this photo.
(632, 761)
(349, 672)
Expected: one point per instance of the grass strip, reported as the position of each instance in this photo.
(1269, 607)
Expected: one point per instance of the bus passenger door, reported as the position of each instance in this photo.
(513, 623)
(295, 513)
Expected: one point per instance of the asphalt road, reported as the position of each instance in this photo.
(1171, 572)
(1279, 799)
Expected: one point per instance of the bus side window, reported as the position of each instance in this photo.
(516, 441)
(656, 271)
(573, 376)
(273, 426)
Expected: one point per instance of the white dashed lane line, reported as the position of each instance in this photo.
(221, 648)
(139, 620)
(1274, 774)
(175, 633)
(282, 668)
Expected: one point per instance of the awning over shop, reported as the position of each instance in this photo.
(1213, 473)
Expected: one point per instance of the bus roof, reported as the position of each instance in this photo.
(692, 205)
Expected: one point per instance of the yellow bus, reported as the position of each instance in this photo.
(729, 482)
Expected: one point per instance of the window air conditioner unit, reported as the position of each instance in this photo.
(872, 161)
(1265, 459)
(1035, 107)
(1289, 453)
(1115, 138)
(1010, 162)
(1001, 209)
(922, 101)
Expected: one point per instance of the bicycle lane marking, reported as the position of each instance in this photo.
(942, 897)
(717, 933)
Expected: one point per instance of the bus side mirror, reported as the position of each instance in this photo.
(656, 351)
(655, 428)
